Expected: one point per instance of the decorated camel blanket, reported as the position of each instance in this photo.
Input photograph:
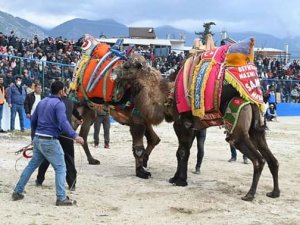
(246, 81)
(207, 81)
(232, 113)
(183, 84)
(93, 76)
(232, 62)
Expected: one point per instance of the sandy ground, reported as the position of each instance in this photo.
(111, 194)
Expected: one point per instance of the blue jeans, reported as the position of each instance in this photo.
(53, 152)
(1, 113)
(233, 152)
(16, 108)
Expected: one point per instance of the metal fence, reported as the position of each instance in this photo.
(34, 70)
(286, 90)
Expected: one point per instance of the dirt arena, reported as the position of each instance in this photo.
(111, 194)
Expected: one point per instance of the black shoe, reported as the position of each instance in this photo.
(2, 131)
(17, 196)
(66, 202)
(232, 159)
(197, 170)
(38, 184)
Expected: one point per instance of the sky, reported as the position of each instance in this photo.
(272, 17)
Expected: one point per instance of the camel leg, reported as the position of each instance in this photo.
(271, 160)
(185, 138)
(137, 132)
(241, 140)
(89, 117)
(247, 148)
(152, 141)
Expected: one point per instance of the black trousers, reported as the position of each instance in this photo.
(200, 136)
(105, 120)
(68, 147)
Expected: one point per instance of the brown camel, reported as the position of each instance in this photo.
(148, 94)
(248, 136)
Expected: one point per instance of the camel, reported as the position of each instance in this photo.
(248, 135)
(140, 107)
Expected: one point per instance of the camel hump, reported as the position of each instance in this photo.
(199, 47)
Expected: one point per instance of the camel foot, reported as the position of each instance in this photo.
(248, 197)
(178, 182)
(172, 180)
(93, 161)
(273, 194)
(142, 173)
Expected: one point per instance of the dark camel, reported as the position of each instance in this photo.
(248, 136)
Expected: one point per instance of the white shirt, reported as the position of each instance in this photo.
(36, 101)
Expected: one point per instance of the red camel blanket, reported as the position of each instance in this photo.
(245, 80)
(207, 83)
(182, 84)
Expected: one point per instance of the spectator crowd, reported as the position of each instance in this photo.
(40, 58)
(41, 61)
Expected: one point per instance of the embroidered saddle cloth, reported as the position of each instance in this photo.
(93, 76)
(234, 62)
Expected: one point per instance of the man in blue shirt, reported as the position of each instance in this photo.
(16, 97)
(47, 122)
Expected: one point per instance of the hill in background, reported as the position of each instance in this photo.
(74, 29)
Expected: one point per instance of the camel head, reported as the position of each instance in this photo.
(135, 67)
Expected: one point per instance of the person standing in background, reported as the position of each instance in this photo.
(200, 136)
(32, 99)
(234, 155)
(16, 98)
(2, 101)
(102, 118)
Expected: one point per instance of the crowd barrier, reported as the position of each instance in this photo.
(283, 109)
(288, 109)
(5, 123)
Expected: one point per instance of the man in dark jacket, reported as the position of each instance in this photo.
(16, 97)
(32, 99)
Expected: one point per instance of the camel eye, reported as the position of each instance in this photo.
(126, 66)
(138, 65)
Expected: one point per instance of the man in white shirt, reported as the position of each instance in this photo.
(32, 99)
